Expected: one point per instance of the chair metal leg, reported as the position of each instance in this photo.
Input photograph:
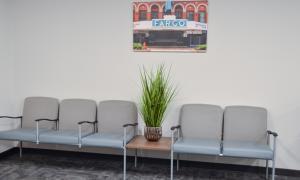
(37, 133)
(135, 159)
(172, 164)
(177, 162)
(267, 169)
(124, 164)
(20, 148)
(273, 169)
(274, 158)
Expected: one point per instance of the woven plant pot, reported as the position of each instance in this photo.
(152, 133)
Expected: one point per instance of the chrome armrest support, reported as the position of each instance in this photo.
(275, 135)
(222, 148)
(174, 129)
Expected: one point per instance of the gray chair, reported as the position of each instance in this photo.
(34, 108)
(246, 135)
(116, 124)
(71, 111)
(199, 131)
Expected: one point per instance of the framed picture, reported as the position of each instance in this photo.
(170, 25)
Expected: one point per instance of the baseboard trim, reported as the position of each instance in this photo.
(204, 165)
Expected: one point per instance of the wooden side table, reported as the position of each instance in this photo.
(141, 143)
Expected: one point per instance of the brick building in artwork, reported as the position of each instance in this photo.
(184, 25)
(193, 10)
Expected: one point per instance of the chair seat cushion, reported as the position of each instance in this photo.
(105, 140)
(247, 150)
(21, 134)
(67, 137)
(197, 146)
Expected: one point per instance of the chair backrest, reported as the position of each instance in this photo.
(113, 114)
(245, 123)
(37, 108)
(201, 121)
(72, 111)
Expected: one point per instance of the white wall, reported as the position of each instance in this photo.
(82, 48)
(6, 74)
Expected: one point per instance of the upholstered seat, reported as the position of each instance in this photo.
(248, 150)
(106, 140)
(68, 137)
(197, 146)
(71, 111)
(21, 134)
(112, 115)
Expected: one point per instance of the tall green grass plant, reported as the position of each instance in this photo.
(157, 93)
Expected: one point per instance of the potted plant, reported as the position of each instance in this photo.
(157, 93)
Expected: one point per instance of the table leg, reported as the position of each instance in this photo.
(135, 159)
(172, 154)
(177, 162)
(124, 163)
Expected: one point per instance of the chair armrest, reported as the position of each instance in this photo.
(127, 125)
(94, 123)
(87, 122)
(174, 137)
(11, 117)
(175, 127)
(275, 135)
(272, 133)
(44, 119)
(80, 136)
(51, 120)
(37, 126)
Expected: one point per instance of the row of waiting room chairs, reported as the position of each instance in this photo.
(78, 122)
(238, 131)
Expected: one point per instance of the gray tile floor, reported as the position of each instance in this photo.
(81, 166)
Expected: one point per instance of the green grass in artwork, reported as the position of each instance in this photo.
(201, 47)
(137, 46)
(157, 93)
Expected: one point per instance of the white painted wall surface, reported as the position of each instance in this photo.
(83, 49)
(6, 74)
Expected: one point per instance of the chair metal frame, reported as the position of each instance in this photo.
(37, 121)
(125, 126)
(95, 130)
(174, 138)
(21, 123)
(275, 135)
